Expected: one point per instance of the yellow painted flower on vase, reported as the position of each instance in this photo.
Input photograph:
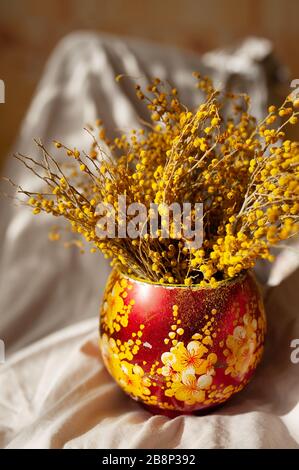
(191, 389)
(104, 347)
(110, 355)
(241, 347)
(169, 359)
(182, 358)
(118, 311)
(132, 379)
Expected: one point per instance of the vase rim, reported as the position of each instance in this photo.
(225, 282)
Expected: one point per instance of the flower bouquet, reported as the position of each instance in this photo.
(183, 207)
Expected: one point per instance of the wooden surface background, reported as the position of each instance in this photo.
(29, 30)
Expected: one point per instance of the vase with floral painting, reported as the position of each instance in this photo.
(179, 349)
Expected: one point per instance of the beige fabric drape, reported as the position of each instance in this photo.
(54, 390)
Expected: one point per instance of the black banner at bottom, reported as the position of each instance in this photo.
(141, 458)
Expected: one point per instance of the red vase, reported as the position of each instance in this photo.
(181, 349)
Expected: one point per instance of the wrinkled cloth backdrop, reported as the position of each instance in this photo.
(54, 390)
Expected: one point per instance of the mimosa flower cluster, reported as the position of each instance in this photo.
(244, 172)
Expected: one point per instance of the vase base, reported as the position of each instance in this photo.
(155, 410)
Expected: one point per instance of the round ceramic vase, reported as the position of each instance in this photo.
(181, 349)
